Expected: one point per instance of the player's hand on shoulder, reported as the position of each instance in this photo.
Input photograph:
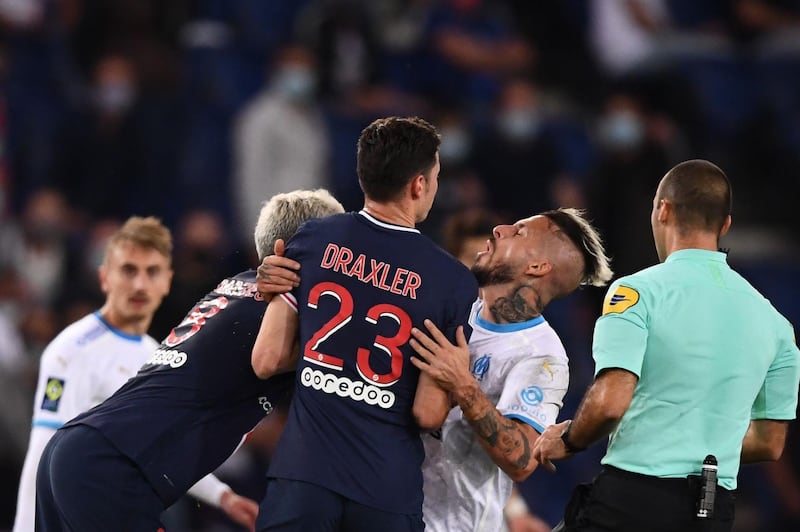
(277, 274)
(446, 363)
(240, 509)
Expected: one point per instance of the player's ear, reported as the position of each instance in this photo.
(664, 210)
(538, 267)
(725, 226)
(417, 186)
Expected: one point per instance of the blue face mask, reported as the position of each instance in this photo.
(115, 97)
(622, 130)
(455, 145)
(296, 83)
(520, 124)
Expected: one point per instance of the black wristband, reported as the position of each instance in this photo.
(565, 438)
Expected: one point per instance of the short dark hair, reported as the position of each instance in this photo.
(392, 151)
(700, 194)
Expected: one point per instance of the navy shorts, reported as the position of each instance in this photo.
(293, 505)
(83, 483)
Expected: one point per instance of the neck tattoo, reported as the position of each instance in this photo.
(515, 308)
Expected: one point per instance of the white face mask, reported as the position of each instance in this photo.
(455, 146)
(295, 82)
(520, 124)
(115, 97)
(621, 130)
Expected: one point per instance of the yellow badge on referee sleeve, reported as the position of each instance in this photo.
(620, 300)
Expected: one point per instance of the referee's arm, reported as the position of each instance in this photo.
(764, 440)
(604, 404)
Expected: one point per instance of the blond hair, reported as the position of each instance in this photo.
(282, 215)
(147, 233)
(597, 270)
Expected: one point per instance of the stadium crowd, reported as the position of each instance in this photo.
(192, 110)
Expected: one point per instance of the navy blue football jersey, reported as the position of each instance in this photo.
(192, 402)
(365, 284)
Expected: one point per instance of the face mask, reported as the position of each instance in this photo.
(44, 231)
(622, 130)
(296, 83)
(115, 97)
(455, 145)
(520, 124)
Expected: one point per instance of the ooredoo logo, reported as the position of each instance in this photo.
(344, 387)
(167, 357)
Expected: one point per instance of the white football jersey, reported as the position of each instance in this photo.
(523, 369)
(80, 368)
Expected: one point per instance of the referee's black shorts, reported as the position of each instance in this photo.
(622, 501)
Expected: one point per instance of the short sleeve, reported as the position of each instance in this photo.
(458, 312)
(534, 391)
(777, 398)
(297, 249)
(620, 334)
(61, 392)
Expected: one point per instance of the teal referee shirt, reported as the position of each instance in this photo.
(711, 353)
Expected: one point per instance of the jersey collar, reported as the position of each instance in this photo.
(386, 225)
(506, 327)
(114, 330)
(696, 255)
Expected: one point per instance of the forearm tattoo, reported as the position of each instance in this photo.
(515, 308)
(497, 432)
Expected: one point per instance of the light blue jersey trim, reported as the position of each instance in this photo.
(508, 327)
(126, 336)
(48, 424)
(527, 421)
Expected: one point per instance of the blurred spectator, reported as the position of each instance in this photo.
(38, 248)
(460, 186)
(39, 85)
(465, 233)
(400, 30)
(203, 255)
(280, 138)
(343, 39)
(772, 30)
(673, 53)
(633, 156)
(519, 162)
(342, 35)
(473, 47)
(102, 148)
(624, 33)
(83, 294)
(557, 30)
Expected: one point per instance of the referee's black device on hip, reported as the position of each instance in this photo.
(708, 488)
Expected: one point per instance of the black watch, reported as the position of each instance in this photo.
(565, 438)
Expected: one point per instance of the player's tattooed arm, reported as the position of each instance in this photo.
(507, 442)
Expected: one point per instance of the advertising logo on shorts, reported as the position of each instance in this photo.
(532, 396)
